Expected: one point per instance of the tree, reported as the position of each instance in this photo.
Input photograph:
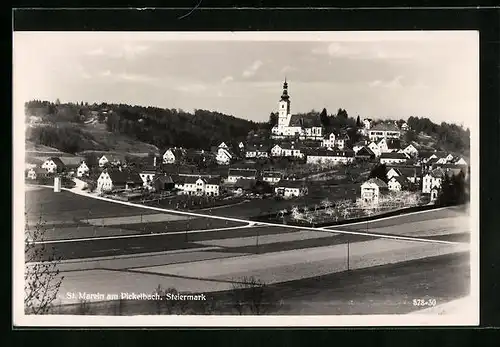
(379, 171)
(41, 278)
(273, 119)
(325, 120)
(358, 122)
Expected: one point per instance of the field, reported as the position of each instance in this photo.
(65, 207)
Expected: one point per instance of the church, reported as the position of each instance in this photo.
(305, 128)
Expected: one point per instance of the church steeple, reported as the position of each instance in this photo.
(285, 96)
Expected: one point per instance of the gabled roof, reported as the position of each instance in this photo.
(384, 127)
(56, 161)
(393, 144)
(364, 151)
(177, 152)
(393, 155)
(245, 184)
(406, 170)
(437, 173)
(377, 181)
(402, 180)
(163, 179)
(291, 184)
(113, 157)
(242, 172)
(304, 121)
(71, 161)
(123, 176)
(272, 174)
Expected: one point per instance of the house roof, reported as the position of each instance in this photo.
(437, 173)
(242, 172)
(177, 152)
(393, 144)
(57, 161)
(113, 157)
(245, 184)
(123, 176)
(407, 171)
(163, 179)
(384, 127)
(364, 151)
(393, 155)
(305, 121)
(289, 145)
(377, 181)
(401, 180)
(323, 152)
(37, 170)
(291, 184)
(272, 174)
(71, 161)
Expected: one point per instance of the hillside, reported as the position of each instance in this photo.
(74, 128)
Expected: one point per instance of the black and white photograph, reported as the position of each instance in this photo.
(246, 178)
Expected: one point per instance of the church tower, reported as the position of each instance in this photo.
(284, 107)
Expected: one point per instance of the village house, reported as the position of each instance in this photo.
(435, 193)
(234, 174)
(111, 159)
(412, 173)
(328, 141)
(295, 125)
(358, 145)
(32, 163)
(241, 146)
(341, 141)
(224, 156)
(223, 145)
(271, 177)
(389, 145)
(53, 165)
(173, 155)
(257, 152)
(163, 182)
(116, 178)
(432, 179)
(287, 149)
(405, 126)
(290, 189)
(365, 153)
(459, 161)
(330, 157)
(410, 150)
(372, 190)
(82, 170)
(367, 123)
(147, 175)
(197, 185)
(392, 157)
(243, 186)
(384, 130)
(398, 183)
(374, 148)
(35, 173)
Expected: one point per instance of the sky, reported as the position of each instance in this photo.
(371, 74)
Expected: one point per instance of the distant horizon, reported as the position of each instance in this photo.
(377, 75)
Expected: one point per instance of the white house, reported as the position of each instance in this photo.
(330, 157)
(36, 172)
(223, 145)
(173, 155)
(241, 146)
(111, 179)
(196, 185)
(224, 156)
(147, 176)
(290, 189)
(460, 161)
(271, 177)
(410, 150)
(235, 174)
(328, 141)
(367, 123)
(111, 159)
(384, 130)
(257, 152)
(405, 126)
(382, 145)
(398, 183)
(431, 180)
(372, 189)
(341, 141)
(392, 158)
(358, 145)
(435, 193)
(53, 165)
(374, 148)
(295, 125)
(287, 150)
(82, 170)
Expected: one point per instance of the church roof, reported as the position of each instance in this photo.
(297, 120)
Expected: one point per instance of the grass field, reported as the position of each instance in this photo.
(67, 207)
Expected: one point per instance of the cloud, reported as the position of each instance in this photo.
(106, 73)
(192, 88)
(394, 83)
(366, 50)
(227, 79)
(134, 77)
(252, 70)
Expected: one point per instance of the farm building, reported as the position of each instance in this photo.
(290, 189)
(372, 189)
(113, 178)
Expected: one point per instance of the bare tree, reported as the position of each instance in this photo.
(41, 277)
(253, 296)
